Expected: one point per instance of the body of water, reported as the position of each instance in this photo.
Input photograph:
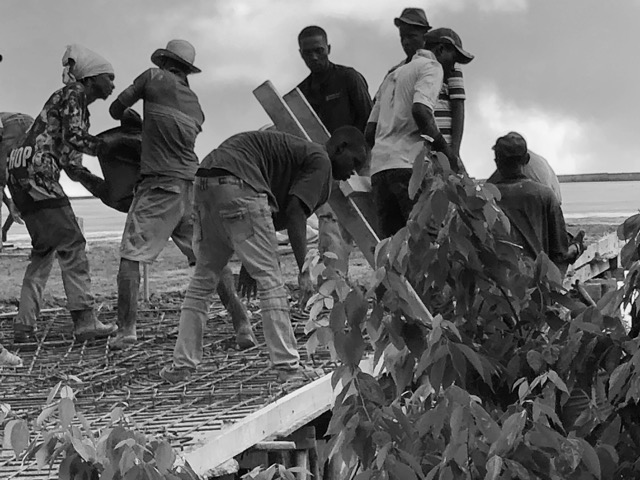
(579, 200)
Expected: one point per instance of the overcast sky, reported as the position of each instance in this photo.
(561, 72)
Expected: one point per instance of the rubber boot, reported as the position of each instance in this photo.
(86, 325)
(128, 288)
(239, 315)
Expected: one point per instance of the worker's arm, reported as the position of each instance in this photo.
(297, 230)
(131, 94)
(359, 99)
(74, 126)
(13, 210)
(457, 125)
(457, 97)
(370, 134)
(117, 109)
(426, 122)
(558, 239)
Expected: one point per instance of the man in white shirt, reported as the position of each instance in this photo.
(404, 112)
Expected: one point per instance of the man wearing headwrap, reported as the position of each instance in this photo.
(55, 142)
(162, 205)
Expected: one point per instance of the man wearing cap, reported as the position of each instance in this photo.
(246, 189)
(55, 143)
(537, 222)
(539, 170)
(162, 205)
(403, 112)
(340, 96)
(449, 111)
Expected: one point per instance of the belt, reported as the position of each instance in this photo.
(204, 182)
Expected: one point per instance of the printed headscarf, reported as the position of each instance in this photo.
(79, 62)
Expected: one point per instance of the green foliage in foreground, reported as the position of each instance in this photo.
(62, 433)
(510, 379)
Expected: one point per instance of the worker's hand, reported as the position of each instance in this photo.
(15, 214)
(576, 247)
(131, 120)
(306, 288)
(247, 286)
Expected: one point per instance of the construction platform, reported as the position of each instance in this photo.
(232, 386)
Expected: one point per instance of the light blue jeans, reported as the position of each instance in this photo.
(232, 217)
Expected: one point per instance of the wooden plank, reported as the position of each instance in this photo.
(280, 418)
(317, 132)
(607, 247)
(351, 218)
(595, 260)
(278, 110)
(306, 116)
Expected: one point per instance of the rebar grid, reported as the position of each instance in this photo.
(229, 386)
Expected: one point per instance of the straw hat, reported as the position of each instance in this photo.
(179, 50)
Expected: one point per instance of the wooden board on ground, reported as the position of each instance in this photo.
(595, 260)
(280, 418)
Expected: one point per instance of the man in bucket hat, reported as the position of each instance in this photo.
(162, 205)
(449, 110)
(412, 25)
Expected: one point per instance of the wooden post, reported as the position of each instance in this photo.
(349, 214)
(145, 281)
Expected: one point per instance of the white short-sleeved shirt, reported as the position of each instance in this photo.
(397, 133)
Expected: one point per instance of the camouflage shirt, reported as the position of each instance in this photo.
(56, 141)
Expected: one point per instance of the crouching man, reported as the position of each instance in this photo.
(533, 209)
(252, 185)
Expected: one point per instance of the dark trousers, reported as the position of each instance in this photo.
(54, 230)
(390, 190)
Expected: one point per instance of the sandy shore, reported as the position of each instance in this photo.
(169, 275)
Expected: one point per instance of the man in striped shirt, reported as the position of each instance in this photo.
(415, 32)
(449, 111)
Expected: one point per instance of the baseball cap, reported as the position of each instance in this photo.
(413, 16)
(511, 145)
(446, 35)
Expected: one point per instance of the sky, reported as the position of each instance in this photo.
(560, 72)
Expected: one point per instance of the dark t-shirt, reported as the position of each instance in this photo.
(537, 222)
(275, 163)
(339, 96)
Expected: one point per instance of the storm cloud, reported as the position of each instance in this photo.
(559, 71)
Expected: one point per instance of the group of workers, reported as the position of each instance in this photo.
(254, 184)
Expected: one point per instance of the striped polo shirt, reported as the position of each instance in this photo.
(452, 89)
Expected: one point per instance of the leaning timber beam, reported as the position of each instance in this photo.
(349, 213)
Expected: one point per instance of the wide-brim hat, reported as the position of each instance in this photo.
(412, 16)
(448, 36)
(180, 51)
